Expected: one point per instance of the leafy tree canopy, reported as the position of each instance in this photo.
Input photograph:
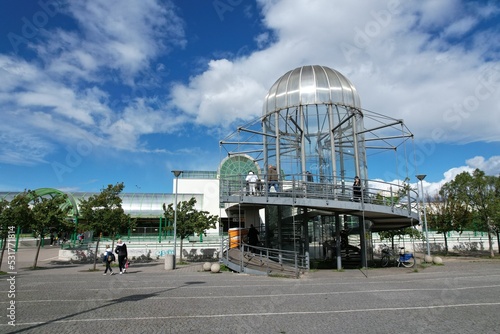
(189, 219)
(103, 212)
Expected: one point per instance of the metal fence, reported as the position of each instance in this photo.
(242, 257)
(295, 186)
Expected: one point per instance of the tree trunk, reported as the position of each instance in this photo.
(180, 259)
(37, 251)
(498, 241)
(4, 244)
(95, 253)
(490, 237)
(490, 241)
(445, 243)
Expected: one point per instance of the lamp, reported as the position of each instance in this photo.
(176, 174)
(421, 177)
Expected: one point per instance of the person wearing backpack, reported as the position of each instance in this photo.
(121, 250)
(109, 258)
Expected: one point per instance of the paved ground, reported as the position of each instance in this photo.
(462, 296)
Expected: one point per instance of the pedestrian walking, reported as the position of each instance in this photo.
(121, 251)
(108, 260)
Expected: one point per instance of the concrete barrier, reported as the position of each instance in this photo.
(169, 262)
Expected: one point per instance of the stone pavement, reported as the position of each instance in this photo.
(462, 296)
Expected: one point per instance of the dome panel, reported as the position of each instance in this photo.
(311, 84)
(322, 87)
(281, 91)
(294, 89)
(307, 85)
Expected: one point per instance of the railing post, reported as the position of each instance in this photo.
(392, 200)
(307, 264)
(409, 203)
(296, 264)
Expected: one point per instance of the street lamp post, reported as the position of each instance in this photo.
(421, 177)
(176, 174)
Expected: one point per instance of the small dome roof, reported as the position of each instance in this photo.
(311, 84)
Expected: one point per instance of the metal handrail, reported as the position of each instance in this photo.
(268, 257)
(377, 192)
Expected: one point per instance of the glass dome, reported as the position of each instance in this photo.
(312, 84)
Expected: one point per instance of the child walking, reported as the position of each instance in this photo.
(108, 259)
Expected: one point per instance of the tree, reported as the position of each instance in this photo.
(479, 192)
(447, 212)
(486, 201)
(496, 210)
(189, 220)
(5, 226)
(15, 214)
(103, 213)
(47, 212)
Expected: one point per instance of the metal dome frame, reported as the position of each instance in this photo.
(312, 116)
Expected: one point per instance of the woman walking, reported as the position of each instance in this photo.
(121, 251)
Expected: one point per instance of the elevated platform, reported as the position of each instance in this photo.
(383, 217)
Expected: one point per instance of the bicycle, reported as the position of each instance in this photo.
(403, 258)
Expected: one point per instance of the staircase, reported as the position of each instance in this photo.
(263, 261)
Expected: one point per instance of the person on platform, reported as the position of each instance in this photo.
(272, 177)
(251, 180)
(356, 189)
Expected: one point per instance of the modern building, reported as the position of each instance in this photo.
(312, 141)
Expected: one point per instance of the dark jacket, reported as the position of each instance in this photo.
(121, 249)
(253, 236)
(272, 173)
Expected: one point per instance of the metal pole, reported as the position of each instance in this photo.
(159, 232)
(176, 174)
(425, 221)
(421, 177)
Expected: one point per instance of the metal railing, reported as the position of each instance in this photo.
(256, 259)
(295, 186)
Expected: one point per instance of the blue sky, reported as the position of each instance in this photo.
(98, 92)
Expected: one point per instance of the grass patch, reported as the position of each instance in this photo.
(223, 267)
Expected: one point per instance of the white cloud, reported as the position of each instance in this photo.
(125, 36)
(489, 166)
(460, 27)
(402, 57)
(62, 95)
(221, 94)
(22, 149)
(400, 54)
